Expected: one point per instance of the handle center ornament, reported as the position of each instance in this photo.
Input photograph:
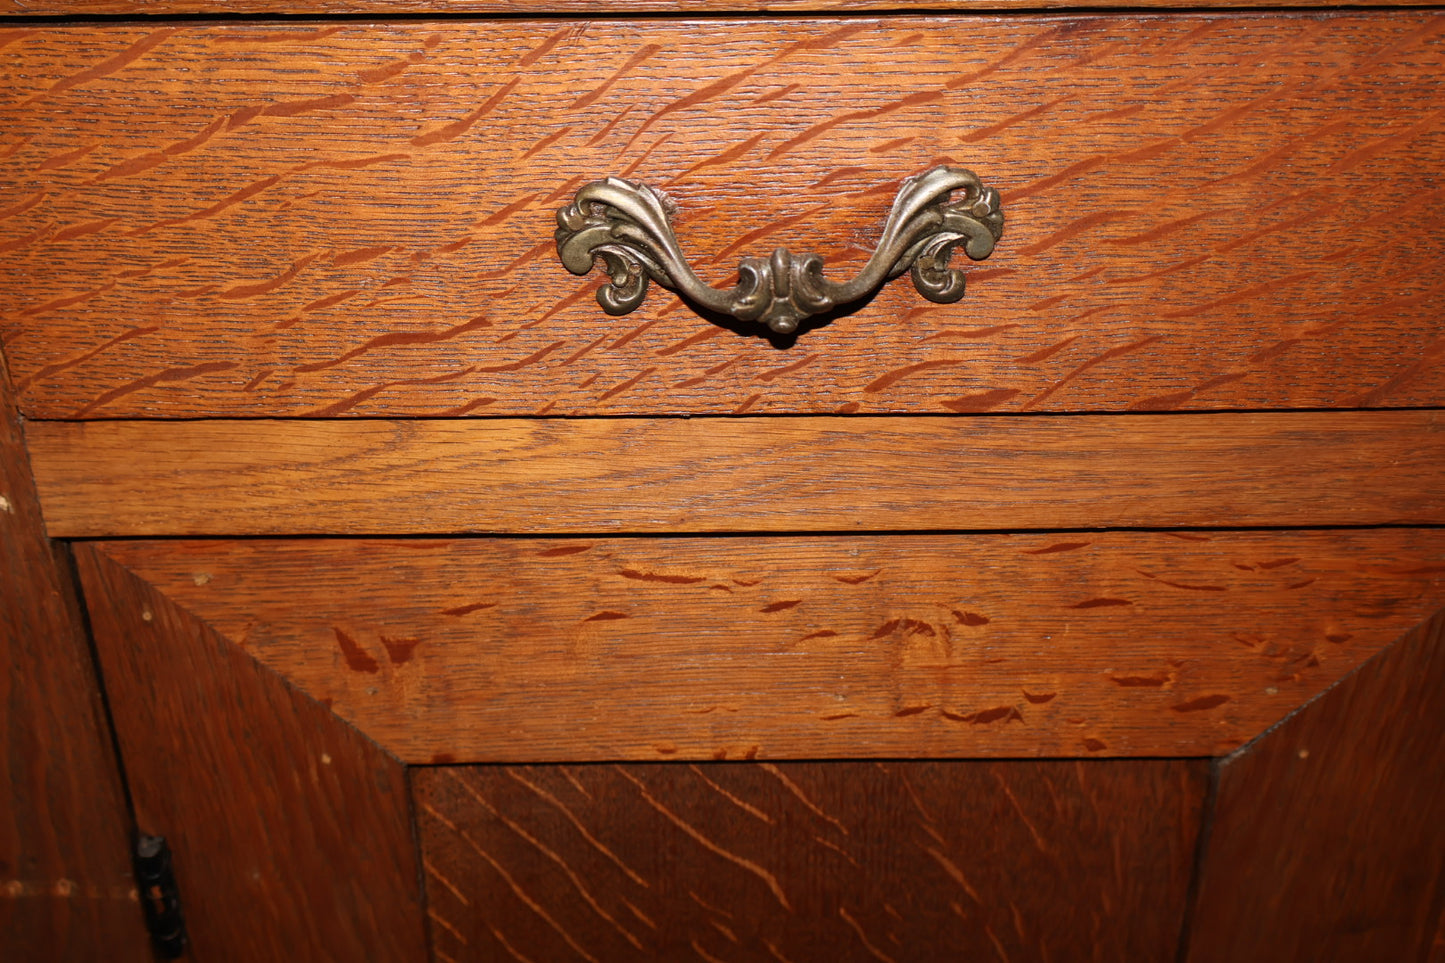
(626, 226)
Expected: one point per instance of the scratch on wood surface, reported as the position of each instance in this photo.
(801, 796)
(954, 873)
(451, 887)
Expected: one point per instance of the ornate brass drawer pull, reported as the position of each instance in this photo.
(625, 225)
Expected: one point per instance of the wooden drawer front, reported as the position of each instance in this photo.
(1211, 211)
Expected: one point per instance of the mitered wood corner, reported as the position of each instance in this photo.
(1325, 839)
(290, 832)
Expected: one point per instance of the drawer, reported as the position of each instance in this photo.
(356, 219)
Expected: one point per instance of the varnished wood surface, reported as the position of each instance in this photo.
(356, 219)
(776, 474)
(290, 831)
(66, 888)
(1327, 842)
(853, 862)
(82, 8)
(1110, 644)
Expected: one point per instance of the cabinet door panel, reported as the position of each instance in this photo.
(290, 831)
(221, 658)
(802, 861)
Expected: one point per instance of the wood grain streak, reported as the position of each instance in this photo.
(1326, 839)
(776, 474)
(290, 831)
(66, 888)
(1185, 231)
(538, 8)
(598, 649)
(856, 861)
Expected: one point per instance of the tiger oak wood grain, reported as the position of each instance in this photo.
(81, 8)
(356, 219)
(902, 646)
(741, 474)
(290, 831)
(896, 862)
(66, 887)
(1326, 840)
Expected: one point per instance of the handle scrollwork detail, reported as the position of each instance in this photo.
(627, 227)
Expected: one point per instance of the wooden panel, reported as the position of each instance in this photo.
(1327, 841)
(291, 832)
(1071, 645)
(777, 474)
(810, 861)
(356, 219)
(66, 889)
(38, 8)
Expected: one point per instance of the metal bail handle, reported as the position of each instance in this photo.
(626, 226)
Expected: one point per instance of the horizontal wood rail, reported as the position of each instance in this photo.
(342, 477)
(593, 649)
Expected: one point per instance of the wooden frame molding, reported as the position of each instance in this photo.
(66, 884)
(542, 8)
(594, 650)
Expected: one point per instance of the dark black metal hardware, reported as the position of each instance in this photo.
(159, 896)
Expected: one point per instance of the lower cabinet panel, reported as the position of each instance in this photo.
(805, 861)
(392, 749)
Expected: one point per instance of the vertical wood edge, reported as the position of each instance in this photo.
(409, 774)
(67, 890)
(290, 831)
(1210, 777)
